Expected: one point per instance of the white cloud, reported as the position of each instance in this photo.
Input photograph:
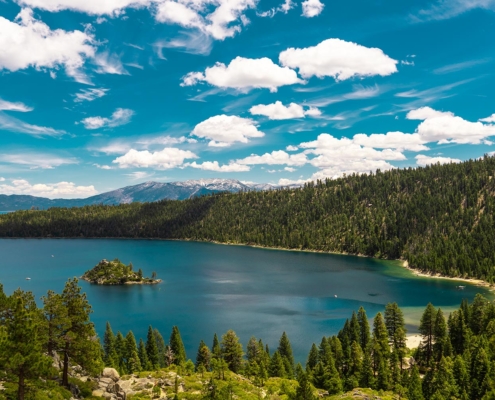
(351, 167)
(445, 127)
(445, 9)
(292, 148)
(312, 8)
(339, 59)
(289, 169)
(490, 119)
(138, 175)
(167, 158)
(164, 141)
(27, 42)
(245, 74)
(66, 190)
(2, 179)
(285, 7)
(89, 94)
(109, 64)
(105, 167)
(214, 166)
(277, 111)
(121, 116)
(391, 140)
(92, 7)
(8, 106)
(423, 160)
(278, 157)
(36, 160)
(225, 130)
(12, 124)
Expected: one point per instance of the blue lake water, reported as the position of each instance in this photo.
(210, 288)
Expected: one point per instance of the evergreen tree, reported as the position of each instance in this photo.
(111, 358)
(313, 357)
(396, 328)
(354, 329)
(215, 348)
(177, 346)
(57, 321)
(441, 347)
(304, 390)
(443, 382)
(414, 390)
(427, 328)
(232, 351)
(120, 348)
(143, 357)
(21, 350)
(461, 376)
(132, 355)
(364, 328)
(277, 367)
(285, 351)
(253, 352)
(152, 349)
(203, 357)
(80, 345)
(381, 351)
(367, 375)
(161, 347)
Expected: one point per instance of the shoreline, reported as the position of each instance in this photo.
(401, 263)
(155, 282)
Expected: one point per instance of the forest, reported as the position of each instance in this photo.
(439, 218)
(455, 360)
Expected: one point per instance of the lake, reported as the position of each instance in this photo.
(210, 288)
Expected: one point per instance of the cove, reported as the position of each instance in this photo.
(210, 288)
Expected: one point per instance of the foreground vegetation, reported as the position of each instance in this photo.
(440, 218)
(456, 358)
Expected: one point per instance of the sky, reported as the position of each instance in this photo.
(101, 94)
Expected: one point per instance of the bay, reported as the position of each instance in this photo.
(210, 288)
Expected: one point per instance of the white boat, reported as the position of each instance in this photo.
(28, 278)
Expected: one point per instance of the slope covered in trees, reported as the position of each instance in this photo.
(439, 218)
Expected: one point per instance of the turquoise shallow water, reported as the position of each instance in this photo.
(211, 288)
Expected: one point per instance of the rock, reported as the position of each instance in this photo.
(111, 373)
(98, 393)
(104, 382)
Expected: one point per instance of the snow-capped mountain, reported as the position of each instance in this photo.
(144, 192)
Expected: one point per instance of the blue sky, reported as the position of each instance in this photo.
(101, 94)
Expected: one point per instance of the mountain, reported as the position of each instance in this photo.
(144, 192)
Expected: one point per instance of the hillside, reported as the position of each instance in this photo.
(144, 192)
(439, 218)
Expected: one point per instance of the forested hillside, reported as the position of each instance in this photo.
(439, 218)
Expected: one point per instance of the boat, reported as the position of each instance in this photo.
(460, 287)
(28, 278)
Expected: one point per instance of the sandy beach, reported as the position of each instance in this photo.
(413, 341)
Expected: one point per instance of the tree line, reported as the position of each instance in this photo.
(439, 218)
(455, 360)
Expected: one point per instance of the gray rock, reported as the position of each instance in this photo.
(111, 373)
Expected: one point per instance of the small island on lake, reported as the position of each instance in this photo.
(117, 273)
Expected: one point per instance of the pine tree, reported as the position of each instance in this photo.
(443, 382)
(111, 355)
(441, 339)
(120, 348)
(312, 357)
(216, 351)
(381, 351)
(143, 357)
(396, 329)
(426, 328)
(367, 376)
(277, 367)
(21, 350)
(80, 344)
(132, 355)
(203, 356)
(177, 346)
(304, 390)
(253, 350)
(461, 376)
(57, 321)
(232, 351)
(285, 351)
(364, 328)
(152, 350)
(414, 390)
(160, 345)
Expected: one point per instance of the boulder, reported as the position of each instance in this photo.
(111, 373)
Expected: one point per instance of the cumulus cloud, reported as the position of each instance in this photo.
(340, 167)
(8, 106)
(89, 94)
(312, 8)
(244, 74)
(339, 59)
(121, 116)
(490, 119)
(27, 42)
(12, 124)
(423, 160)
(67, 190)
(445, 127)
(167, 158)
(2, 179)
(225, 130)
(278, 157)
(92, 7)
(292, 148)
(391, 140)
(214, 166)
(277, 111)
(36, 160)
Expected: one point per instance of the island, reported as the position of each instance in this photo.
(117, 273)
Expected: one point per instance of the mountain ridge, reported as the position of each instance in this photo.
(149, 191)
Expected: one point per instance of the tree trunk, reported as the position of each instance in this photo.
(65, 374)
(20, 389)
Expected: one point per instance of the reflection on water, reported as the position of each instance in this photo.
(211, 288)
